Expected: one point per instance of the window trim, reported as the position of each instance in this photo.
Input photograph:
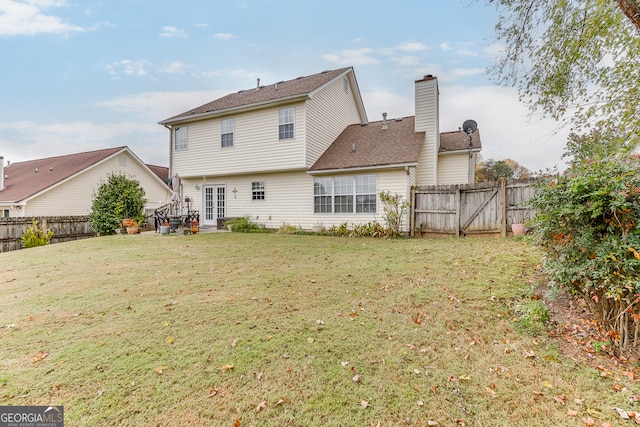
(258, 191)
(286, 123)
(346, 194)
(227, 127)
(185, 143)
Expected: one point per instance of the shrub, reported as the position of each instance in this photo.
(586, 222)
(394, 210)
(35, 236)
(244, 224)
(117, 198)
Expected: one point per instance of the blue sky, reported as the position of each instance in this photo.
(84, 75)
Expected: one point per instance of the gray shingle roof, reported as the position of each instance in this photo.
(298, 87)
(24, 179)
(399, 144)
(374, 146)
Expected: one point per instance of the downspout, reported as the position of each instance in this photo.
(1, 173)
(170, 149)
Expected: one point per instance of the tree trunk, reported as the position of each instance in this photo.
(631, 9)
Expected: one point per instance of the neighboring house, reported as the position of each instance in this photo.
(64, 185)
(302, 152)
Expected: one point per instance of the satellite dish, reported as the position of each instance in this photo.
(469, 126)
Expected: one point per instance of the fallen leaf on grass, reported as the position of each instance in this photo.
(38, 357)
(262, 405)
(160, 369)
(589, 422)
(630, 374)
(547, 384)
(225, 367)
(491, 392)
(170, 340)
(561, 399)
(420, 403)
(356, 378)
(529, 354)
(364, 404)
(213, 391)
(236, 422)
(233, 343)
(572, 412)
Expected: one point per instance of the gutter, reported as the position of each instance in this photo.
(362, 168)
(241, 108)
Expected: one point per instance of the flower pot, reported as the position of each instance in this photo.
(165, 229)
(230, 227)
(134, 229)
(194, 229)
(128, 222)
(518, 229)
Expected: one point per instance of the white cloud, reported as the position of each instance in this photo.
(223, 36)
(175, 67)
(156, 106)
(446, 46)
(506, 129)
(28, 18)
(128, 67)
(412, 47)
(169, 31)
(406, 61)
(353, 57)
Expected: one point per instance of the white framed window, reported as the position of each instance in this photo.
(180, 138)
(226, 132)
(286, 117)
(258, 190)
(345, 194)
(5, 213)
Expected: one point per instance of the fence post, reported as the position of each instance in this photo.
(458, 209)
(503, 202)
(412, 212)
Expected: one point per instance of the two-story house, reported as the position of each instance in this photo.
(303, 152)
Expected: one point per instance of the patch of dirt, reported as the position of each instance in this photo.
(579, 336)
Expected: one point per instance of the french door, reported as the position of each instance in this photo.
(215, 203)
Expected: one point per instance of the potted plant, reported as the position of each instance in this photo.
(165, 228)
(195, 227)
(134, 228)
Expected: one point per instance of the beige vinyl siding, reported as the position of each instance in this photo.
(453, 169)
(74, 196)
(289, 198)
(427, 121)
(256, 147)
(329, 112)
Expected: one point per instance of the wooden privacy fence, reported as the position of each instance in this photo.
(65, 228)
(486, 208)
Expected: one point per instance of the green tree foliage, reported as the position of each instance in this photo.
(395, 208)
(576, 58)
(587, 223)
(117, 198)
(491, 170)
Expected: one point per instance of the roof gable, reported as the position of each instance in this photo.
(25, 179)
(281, 91)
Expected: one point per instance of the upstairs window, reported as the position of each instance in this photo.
(257, 190)
(226, 133)
(285, 123)
(180, 138)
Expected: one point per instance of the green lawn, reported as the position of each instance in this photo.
(275, 330)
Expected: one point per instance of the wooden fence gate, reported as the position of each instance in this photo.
(487, 208)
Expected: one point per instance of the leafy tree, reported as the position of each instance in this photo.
(587, 223)
(573, 56)
(490, 170)
(598, 144)
(117, 198)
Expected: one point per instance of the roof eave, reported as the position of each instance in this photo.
(466, 150)
(361, 168)
(234, 110)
